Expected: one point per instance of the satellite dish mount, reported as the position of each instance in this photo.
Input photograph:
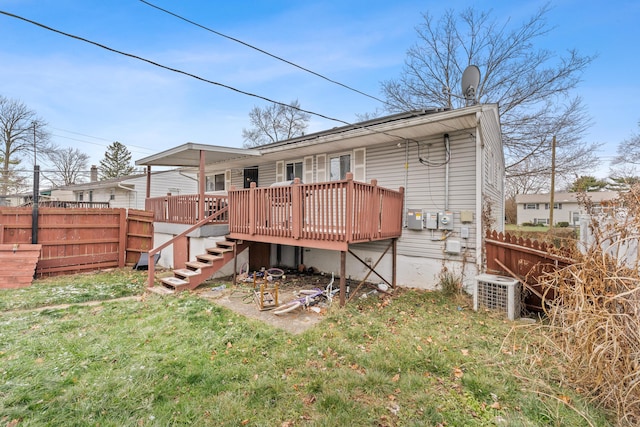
(470, 82)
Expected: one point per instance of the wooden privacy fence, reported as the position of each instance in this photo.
(76, 240)
(527, 260)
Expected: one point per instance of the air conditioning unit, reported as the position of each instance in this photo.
(498, 293)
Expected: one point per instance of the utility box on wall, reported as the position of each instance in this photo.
(445, 220)
(431, 218)
(414, 219)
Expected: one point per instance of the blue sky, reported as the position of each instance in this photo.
(91, 97)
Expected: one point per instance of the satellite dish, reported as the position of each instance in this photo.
(470, 82)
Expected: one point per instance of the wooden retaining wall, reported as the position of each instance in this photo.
(80, 239)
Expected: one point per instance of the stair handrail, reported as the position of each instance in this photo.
(152, 252)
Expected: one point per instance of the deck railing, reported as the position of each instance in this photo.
(340, 211)
(183, 209)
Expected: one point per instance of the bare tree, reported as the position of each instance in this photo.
(68, 165)
(275, 123)
(628, 151)
(531, 86)
(22, 133)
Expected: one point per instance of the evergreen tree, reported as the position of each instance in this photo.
(587, 184)
(116, 162)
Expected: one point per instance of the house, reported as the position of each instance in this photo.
(535, 208)
(414, 192)
(127, 191)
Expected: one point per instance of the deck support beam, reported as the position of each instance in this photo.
(372, 269)
(343, 278)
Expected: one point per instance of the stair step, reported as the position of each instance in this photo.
(208, 258)
(185, 272)
(197, 264)
(219, 250)
(174, 283)
(226, 243)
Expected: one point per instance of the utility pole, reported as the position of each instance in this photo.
(553, 181)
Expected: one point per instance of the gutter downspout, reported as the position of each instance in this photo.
(480, 165)
(406, 182)
(447, 153)
(135, 200)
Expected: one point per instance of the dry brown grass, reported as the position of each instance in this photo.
(594, 322)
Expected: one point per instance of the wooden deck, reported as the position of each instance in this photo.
(328, 215)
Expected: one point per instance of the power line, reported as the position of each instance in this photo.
(175, 70)
(97, 143)
(263, 51)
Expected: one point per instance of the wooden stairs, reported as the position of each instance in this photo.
(205, 265)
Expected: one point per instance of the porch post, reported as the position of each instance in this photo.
(148, 181)
(343, 278)
(201, 187)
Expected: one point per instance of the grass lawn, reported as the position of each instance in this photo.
(418, 359)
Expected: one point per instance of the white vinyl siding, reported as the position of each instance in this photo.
(492, 167)
(426, 188)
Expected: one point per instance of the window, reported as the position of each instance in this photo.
(555, 206)
(112, 195)
(91, 195)
(531, 206)
(215, 182)
(80, 196)
(544, 221)
(339, 166)
(294, 170)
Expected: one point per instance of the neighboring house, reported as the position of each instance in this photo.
(23, 199)
(535, 208)
(449, 164)
(128, 191)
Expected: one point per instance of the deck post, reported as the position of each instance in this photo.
(148, 181)
(348, 229)
(296, 209)
(375, 223)
(252, 208)
(343, 278)
(201, 187)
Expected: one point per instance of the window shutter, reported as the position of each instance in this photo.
(227, 179)
(280, 171)
(307, 170)
(321, 168)
(359, 159)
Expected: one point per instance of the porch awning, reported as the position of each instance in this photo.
(188, 155)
